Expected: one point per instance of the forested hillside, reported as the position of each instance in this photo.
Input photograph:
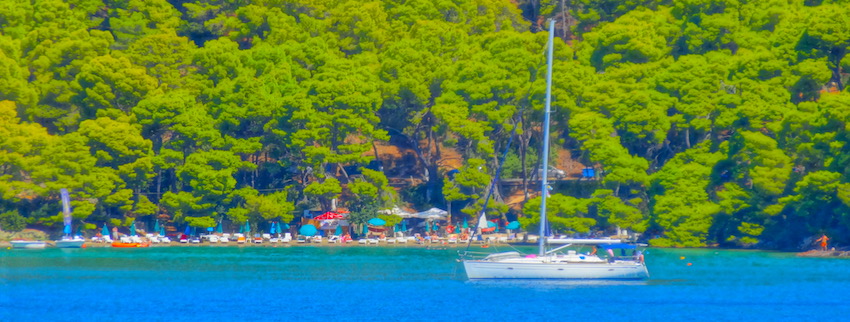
(708, 121)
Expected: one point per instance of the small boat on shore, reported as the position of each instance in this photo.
(76, 242)
(28, 244)
(130, 245)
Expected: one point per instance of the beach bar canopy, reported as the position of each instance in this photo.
(396, 211)
(433, 214)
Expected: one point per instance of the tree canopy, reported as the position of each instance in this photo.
(709, 122)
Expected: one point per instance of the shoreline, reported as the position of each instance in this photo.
(444, 245)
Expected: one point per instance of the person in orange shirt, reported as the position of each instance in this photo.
(823, 239)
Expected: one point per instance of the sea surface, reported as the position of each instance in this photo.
(357, 283)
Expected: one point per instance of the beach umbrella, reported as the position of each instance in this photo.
(377, 222)
(338, 230)
(247, 227)
(457, 229)
(188, 230)
(272, 229)
(286, 226)
(403, 226)
(156, 226)
(105, 230)
(465, 225)
(365, 230)
(162, 230)
(513, 225)
(218, 228)
(308, 230)
(328, 216)
(133, 229)
(427, 226)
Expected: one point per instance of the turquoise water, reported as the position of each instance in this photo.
(402, 284)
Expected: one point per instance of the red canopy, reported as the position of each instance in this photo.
(328, 216)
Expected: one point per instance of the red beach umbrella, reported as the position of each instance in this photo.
(328, 216)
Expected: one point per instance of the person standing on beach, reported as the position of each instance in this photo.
(823, 239)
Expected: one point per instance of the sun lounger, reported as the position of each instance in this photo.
(286, 238)
(362, 241)
(401, 240)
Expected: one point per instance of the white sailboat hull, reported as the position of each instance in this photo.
(540, 270)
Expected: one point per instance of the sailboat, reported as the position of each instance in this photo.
(68, 241)
(561, 262)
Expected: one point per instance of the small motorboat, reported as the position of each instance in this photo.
(130, 245)
(28, 244)
(75, 242)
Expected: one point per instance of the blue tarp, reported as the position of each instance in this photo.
(377, 222)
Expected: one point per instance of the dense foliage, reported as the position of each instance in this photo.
(709, 121)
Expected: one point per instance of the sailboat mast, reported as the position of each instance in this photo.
(545, 172)
(66, 210)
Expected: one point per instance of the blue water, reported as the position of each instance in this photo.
(402, 284)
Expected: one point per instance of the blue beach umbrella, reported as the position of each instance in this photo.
(133, 229)
(247, 227)
(465, 225)
(308, 230)
(338, 230)
(188, 230)
(218, 228)
(272, 229)
(377, 222)
(67, 229)
(403, 226)
(105, 230)
(457, 229)
(365, 230)
(427, 226)
(162, 230)
(156, 226)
